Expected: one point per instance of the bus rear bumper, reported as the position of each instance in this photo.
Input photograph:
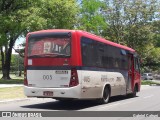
(71, 92)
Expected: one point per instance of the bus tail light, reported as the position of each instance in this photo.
(25, 78)
(74, 78)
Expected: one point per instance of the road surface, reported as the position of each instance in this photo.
(146, 100)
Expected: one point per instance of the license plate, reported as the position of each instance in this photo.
(48, 93)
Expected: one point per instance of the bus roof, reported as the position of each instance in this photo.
(90, 35)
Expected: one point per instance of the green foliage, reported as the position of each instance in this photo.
(135, 23)
(17, 63)
(151, 60)
(50, 14)
(129, 21)
(147, 82)
(24, 16)
(19, 80)
(156, 31)
(17, 17)
(91, 18)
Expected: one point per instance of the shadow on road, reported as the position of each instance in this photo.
(72, 105)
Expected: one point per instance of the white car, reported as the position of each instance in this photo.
(147, 76)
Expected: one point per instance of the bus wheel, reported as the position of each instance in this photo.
(106, 96)
(134, 93)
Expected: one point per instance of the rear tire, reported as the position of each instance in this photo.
(106, 96)
(134, 93)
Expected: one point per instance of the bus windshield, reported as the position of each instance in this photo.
(49, 46)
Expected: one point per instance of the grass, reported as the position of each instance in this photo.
(148, 82)
(14, 80)
(11, 93)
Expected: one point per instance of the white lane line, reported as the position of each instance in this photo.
(148, 96)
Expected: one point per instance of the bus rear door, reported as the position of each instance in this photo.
(130, 73)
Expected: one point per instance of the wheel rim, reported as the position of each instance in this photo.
(105, 95)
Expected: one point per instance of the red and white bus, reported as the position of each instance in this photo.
(74, 64)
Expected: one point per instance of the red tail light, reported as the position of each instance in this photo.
(25, 78)
(74, 78)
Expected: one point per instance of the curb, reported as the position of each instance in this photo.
(154, 84)
(145, 85)
(14, 100)
(10, 85)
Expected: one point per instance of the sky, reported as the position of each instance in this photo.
(17, 43)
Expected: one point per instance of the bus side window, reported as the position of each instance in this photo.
(87, 51)
(137, 66)
(100, 54)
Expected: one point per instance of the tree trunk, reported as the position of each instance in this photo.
(5, 74)
(6, 60)
(20, 73)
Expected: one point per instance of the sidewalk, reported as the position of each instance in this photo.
(10, 85)
(157, 81)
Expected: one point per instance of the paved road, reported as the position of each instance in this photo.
(147, 100)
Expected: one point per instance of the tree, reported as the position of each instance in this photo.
(151, 56)
(135, 23)
(115, 19)
(10, 30)
(139, 14)
(19, 17)
(156, 31)
(91, 18)
(59, 13)
(17, 64)
(129, 21)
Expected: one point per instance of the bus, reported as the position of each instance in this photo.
(74, 64)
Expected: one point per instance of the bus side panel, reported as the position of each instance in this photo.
(137, 80)
(93, 83)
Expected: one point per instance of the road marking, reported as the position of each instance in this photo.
(148, 96)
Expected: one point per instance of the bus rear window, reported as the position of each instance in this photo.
(49, 46)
